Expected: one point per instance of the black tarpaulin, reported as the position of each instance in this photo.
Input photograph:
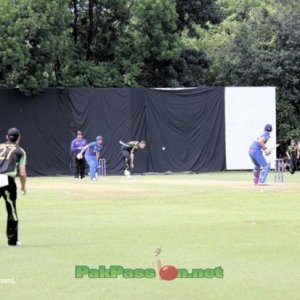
(44, 124)
(184, 129)
(104, 112)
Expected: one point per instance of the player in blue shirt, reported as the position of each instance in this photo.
(92, 155)
(261, 167)
(78, 164)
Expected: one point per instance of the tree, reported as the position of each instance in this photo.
(97, 26)
(260, 50)
(33, 43)
(288, 54)
(199, 12)
(149, 43)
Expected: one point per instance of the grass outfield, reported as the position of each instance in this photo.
(200, 221)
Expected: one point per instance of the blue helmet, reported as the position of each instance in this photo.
(268, 127)
(99, 137)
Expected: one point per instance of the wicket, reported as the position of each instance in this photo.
(101, 167)
(279, 168)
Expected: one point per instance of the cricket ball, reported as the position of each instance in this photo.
(168, 273)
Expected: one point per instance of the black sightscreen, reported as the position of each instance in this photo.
(184, 129)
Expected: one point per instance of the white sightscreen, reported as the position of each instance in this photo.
(247, 110)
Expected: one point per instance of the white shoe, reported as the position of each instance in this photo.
(18, 244)
(127, 173)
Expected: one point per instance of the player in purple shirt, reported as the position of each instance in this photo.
(78, 163)
(261, 167)
(92, 155)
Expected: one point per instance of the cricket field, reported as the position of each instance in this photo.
(196, 221)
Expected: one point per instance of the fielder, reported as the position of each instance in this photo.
(293, 154)
(92, 155)
(11, 157)
(261, 167)
(128, 151)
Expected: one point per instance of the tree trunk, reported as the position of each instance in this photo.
(75, 31)
(90, 29)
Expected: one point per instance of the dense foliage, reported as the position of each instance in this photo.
(151, 43)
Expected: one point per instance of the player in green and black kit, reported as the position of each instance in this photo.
(12, 157)
(128, 151)
(293, 154)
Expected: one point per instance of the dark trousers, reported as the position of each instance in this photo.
(293, 164)
(126, 158)
(9, 193)
(79, 167)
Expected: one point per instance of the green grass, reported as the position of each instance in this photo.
(200, 221)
